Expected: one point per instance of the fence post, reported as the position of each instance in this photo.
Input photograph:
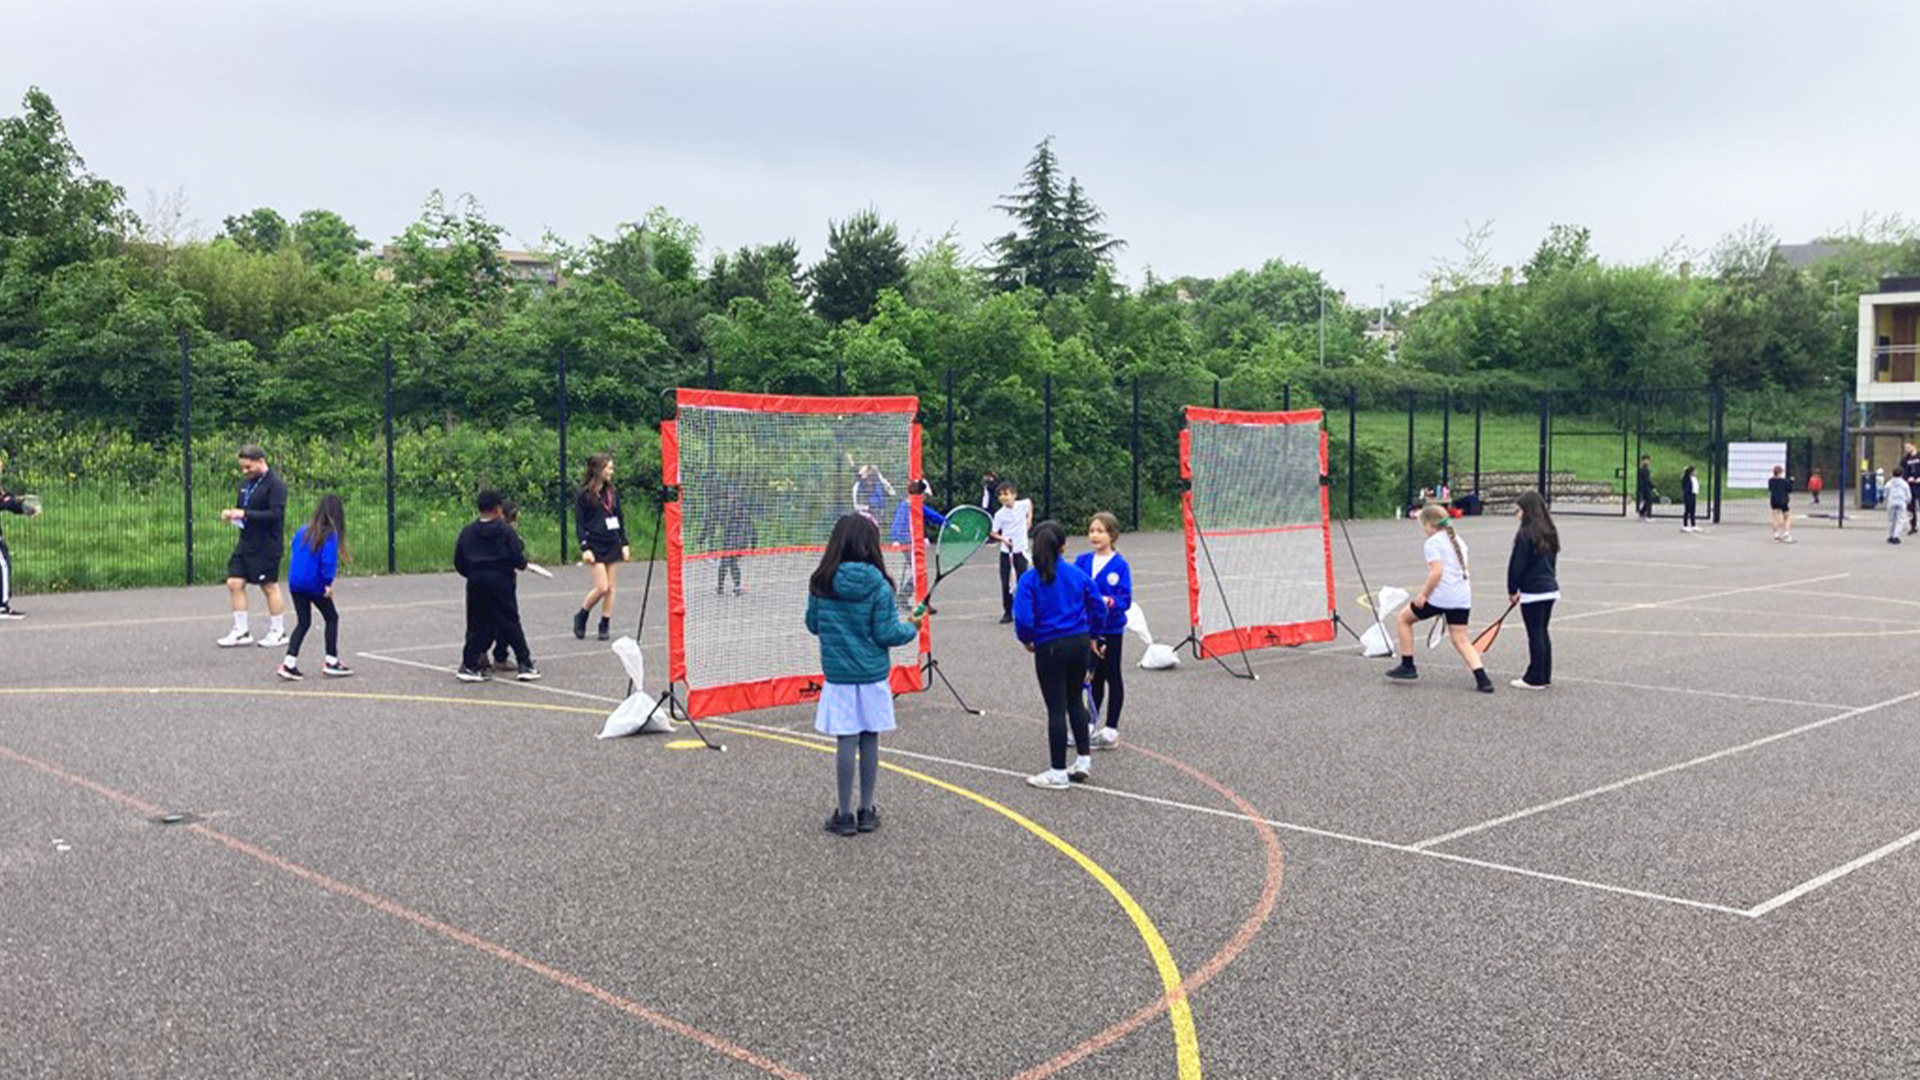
(392, 527)
(1408, 500)
(950, 502)
(1286, 397)
(186, 442)
(561, 491)
(1446, 439)
(1717, 428)
(1353, 408)
(1216, 391)
(1478, 404)
(1136, 451)
(1845, 473)
(1546, 406)
(709, 383)
(1046, 498)
(839, 377)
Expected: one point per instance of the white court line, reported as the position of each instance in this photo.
(1831, 876)
(1709, 693)
(457, 645)
(513, 682)
(225, 617)
(1851, 596)
(1663, 771)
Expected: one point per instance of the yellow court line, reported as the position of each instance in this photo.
(1179, 1011)
(220, 616)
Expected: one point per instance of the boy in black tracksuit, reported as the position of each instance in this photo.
(489, 554)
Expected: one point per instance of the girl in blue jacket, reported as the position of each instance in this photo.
(851, 609)
(1113, 580)
(317, 548)
(1055, 611)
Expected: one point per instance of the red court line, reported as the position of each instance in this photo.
(429, 923)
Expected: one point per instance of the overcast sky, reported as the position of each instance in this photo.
(1357, 139)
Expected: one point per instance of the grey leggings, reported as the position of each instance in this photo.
(868, 745)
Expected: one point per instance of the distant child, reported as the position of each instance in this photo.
(318, 547)
(1899, 496)
(12, 504)
(488, 554)
(989, 490)
(1643, 489)
(729, 523)
(1815, 485)
(1531, 583)
(1778, 488)
(902, 534)
(1113, 581)
(1690, 500)
(871, 490)
(603, 542)
(1909, 468)
(851, 609)
(1055, 614)
(1446, 594)
(1011, 524)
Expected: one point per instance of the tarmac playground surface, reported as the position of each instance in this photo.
(1694, 856)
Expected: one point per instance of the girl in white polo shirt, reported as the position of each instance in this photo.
(1446, 594)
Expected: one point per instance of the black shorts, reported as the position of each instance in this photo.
(1455, 616)
(254, 567)
(605, 553)
(1781, 506)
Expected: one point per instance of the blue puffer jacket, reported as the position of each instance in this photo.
(857, 625)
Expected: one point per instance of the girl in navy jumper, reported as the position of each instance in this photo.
(1113, 580)
(1531, 584)
(851, 609)
(1055, 611)
(317, 549)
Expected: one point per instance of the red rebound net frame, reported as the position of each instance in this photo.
(1259, 548)
(761, 480)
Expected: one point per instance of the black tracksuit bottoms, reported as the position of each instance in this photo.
(1061, 665)
(493, 613)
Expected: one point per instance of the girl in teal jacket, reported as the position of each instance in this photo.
(852, 610)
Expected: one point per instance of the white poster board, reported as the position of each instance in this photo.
(1750, 464)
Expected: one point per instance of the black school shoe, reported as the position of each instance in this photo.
(528, 673)
(1481, 682)
(842, 824)
(467, 674)
(580, 624)
(867, 820)
(606, 630)
(1403, 672)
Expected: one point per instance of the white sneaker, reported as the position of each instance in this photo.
(235, 638)
(1052, 780)
(1522, 684)
(1106, 739)
(1081, 770)
(274, 639)
(1786, 539)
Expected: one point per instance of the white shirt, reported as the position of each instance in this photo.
(1100, 563)
(1011, 523)
(1453, 590)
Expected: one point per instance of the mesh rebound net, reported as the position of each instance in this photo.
(762, 479)
(1259, 553)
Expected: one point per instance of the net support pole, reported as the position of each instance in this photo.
(186, 443)
(393, 561)
(1845, 473)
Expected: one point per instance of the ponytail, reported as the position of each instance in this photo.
(1435, 516)
(1048, 540)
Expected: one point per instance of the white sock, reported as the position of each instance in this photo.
(1082, 763)
(291, 663)
(277, 624)
(239, 622)
(333, 661)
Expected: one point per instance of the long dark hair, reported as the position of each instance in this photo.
(1049, 537)
(329, 519)
(1536, 523)
(596, 465)
(855, 539)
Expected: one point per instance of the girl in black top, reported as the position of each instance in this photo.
(1531, 584)
(603, 541)
(1643, 490)
(1779, 487)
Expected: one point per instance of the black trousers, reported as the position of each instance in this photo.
(303, 606)
(493, 612)
(1108, 687)
(6, 576)
(1061, 666)
(1539, 645)
(1643, 502)
(1689, 508)
(1011, 567)
(728, 563)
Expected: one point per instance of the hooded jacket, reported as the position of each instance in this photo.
(857, 625)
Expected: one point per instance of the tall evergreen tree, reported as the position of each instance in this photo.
(1057, 245)
(864, 256)
(751, 272)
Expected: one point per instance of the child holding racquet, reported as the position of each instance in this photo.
(1011, 524)
(1446, 595)
(1532, 585)
(1113, 580)
(902, 534)
(318, 547)
(1055, 612)
(851, 609)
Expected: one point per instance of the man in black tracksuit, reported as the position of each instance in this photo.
(261, 515)
(488, 554)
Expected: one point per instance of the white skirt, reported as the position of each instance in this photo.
(853, 708)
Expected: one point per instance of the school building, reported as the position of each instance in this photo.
(1887, 378)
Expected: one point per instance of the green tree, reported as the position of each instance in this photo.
(1565, 247)
(1057, 245)
(655, 260)
(749, 269)
(326, 240)
(864, 257)
(448, 262)
(259, 229)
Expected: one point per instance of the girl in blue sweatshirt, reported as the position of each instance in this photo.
(1113, 580)
(1055, 611)
(851, 609)
(317, 548)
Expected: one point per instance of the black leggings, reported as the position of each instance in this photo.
(303, 606)
(1107, 683)
(1061, 665)
(728, 563)
(1011, 567)
(1689, 509)
(1539, 645)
